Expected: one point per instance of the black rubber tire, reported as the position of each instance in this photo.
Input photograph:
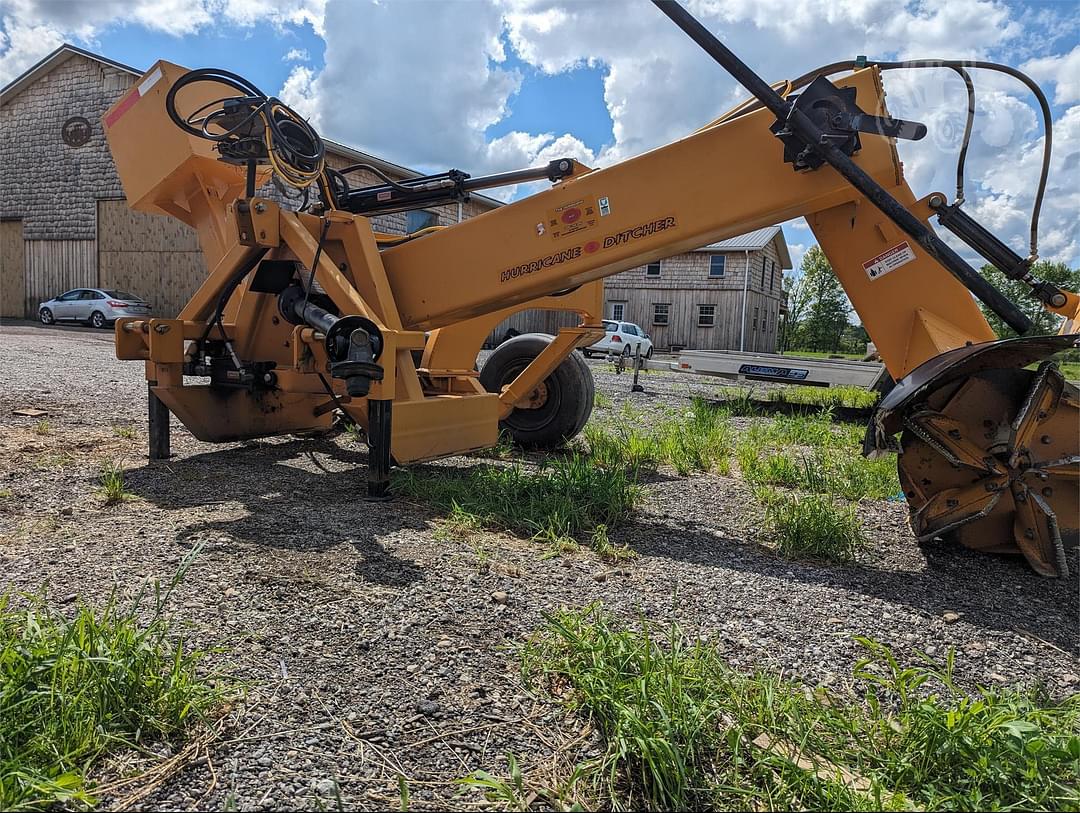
(46, 317)
(570, 387)
(97, 319)
(627, 351)
(649, 354)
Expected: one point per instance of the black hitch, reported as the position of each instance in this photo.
(353, 343)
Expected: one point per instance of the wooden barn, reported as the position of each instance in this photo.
(724, 296)
(63, 220)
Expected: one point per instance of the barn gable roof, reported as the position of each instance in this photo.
(755, 241)
(67, 51)
(53, 61)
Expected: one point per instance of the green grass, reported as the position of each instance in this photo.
(111, 484)
(814, 454)
(822, 354)
(569, 497)
(126, 432)
(602, 400)
(699, 439)
(683, 730)
(42, 428)
(823, 471)
(812, 525)
(76, 686)
(852, 397)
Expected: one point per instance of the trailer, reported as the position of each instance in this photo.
(741, 366)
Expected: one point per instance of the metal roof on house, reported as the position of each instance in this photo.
(755, 241)
(67, 51)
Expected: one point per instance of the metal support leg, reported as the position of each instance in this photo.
(637, 371)
(379, 417)
(159, 424)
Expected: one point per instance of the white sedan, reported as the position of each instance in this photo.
(621, 338)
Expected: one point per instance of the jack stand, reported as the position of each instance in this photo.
(158, 415)
(636, 387)
(379, 419)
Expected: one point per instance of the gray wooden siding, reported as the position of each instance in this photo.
(55, 266)
(12, 272)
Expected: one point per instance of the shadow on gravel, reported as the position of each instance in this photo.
(288, 505)
(993, 592)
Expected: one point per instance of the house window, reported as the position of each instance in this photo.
(772, 274)
(764, 260)
(660, 312)
(618, 309)
(755, 317)
(652, 270)
(716, 265)
(706, 315)
(420, 219)
(765, 321)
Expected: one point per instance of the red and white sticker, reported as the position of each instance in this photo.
(888, 261)
(140, 90)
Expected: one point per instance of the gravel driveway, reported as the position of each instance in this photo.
(371, 648)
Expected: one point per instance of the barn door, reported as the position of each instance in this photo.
(12, 271)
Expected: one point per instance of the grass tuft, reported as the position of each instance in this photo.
(842, 396)
(812, 525)
(700, 439)
(73, 688)
(42, 427)
(566, 498)
(112, 484)
(126, 432)
(683, 730)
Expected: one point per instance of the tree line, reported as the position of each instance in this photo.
(819, 312)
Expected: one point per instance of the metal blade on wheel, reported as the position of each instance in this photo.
(1039, 407)
(1036, 531)
(946, 434)
(954, 507)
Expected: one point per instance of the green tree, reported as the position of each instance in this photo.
(823, 304)
(1045, 322)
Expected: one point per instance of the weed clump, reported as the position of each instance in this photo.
(683, 730)
(72, 688)
(569, 497)
(812, 525)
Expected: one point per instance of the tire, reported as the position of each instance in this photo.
(46, 317)
(570, 391)
(587, 354)
(627, 351)
(649, 354)
(97, 319)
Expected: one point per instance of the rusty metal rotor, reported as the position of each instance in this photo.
(992, 460)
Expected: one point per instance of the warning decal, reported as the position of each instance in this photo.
(571, 218)
(888, 261)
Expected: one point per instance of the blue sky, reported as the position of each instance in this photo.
(490, 86)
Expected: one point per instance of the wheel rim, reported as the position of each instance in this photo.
(532, 420)
(46, 316)
(97, 320)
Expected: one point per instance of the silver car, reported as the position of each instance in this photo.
(98, 306)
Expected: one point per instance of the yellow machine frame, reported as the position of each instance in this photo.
(435, 297)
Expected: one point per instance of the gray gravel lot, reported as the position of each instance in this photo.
(370, 648)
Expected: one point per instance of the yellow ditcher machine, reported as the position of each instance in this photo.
(311, 311)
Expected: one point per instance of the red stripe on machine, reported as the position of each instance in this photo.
(122, 108)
